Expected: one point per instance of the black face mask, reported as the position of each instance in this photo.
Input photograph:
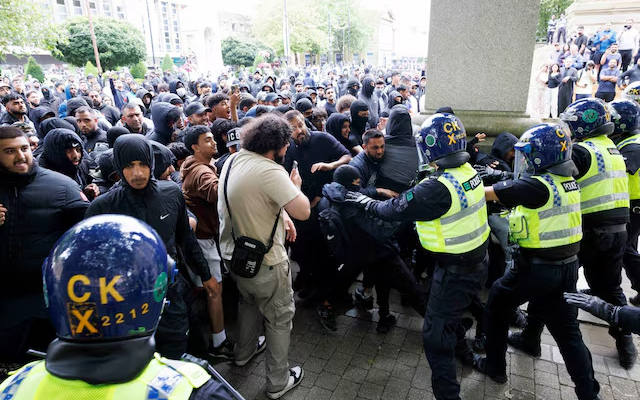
(627, 27)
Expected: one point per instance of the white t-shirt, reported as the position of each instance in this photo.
(258, 188)
(583, 79)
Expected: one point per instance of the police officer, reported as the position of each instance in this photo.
(604, 198)
(105, 302)
(628, 317)
(546, 224)
(632, 92)
(451, 220)
(626, 134)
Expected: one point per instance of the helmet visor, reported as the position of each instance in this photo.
(522, 167)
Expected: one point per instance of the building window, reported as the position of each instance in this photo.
(77, 7)
(107, 10)
(120, 12)
(61, 10)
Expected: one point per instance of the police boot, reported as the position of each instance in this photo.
(626, 351)
(520, 342)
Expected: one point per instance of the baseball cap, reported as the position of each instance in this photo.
(271, 97)
(4, 84)
(195, 108)
(233, 137)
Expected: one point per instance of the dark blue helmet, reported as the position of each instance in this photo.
(588, 117)
(441, 135)
(632, 92)
(544, 146)
(106, 279)
(626, 117)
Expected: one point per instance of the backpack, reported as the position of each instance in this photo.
(334, 231)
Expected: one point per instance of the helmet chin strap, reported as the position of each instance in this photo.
(453, 160)
(567, 168)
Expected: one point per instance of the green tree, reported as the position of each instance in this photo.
(90, 69)
(139, 70)
(547, 9)
(25, 24)
(167, 63)
(350, 24)
(238, 52)
(34, 69)
(119, 42)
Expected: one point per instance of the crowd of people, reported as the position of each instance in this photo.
(585, 64)
(239, 175)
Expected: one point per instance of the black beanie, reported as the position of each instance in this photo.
(303, 105)
(345, 175)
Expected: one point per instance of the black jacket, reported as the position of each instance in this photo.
(42, 205)
(368, 96)
(400, 163)
(161, 134)
(141, 93)
(90, 139)
(110, 113)
(160, 204)
(368, 173)
(54, 156)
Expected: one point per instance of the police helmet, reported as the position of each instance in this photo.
(626, 117)
(106, 279)
(545, 147)
(632, 92)
(588, 117)
(442, 135)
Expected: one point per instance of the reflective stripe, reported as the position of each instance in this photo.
(162, 385)
(465, 212)
(10, 391)
(459, 190)
(563, 233)
(559, 210)
(467, 237)
(604, 199)
(602, 176)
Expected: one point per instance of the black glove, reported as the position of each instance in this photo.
(360, 200)
(491, 174)
(592, 304)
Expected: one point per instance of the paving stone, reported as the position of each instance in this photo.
(338, 363)
(346, 390)
(471, 373)
(325, 348)
(252, 386)
(623, 388)
(318, 393)
(390, 350)
(421, 378)
(494, 389)
(359, 328)
(557, 357)
(418, 394)
(314, 364)
(545, 366)
(403, 372)
(396, 389)
(522, 365)
(362, 361)
(615, 369)
(634, 373)
(355, 374)
(606, 392)
(410, 359)
(311, 337)
(384, 363)
(301, 351)
(299, 393)
(349, 344)
(327, 380)
(471, 389)
(261, 369)
(376, 375)
(564, 377)
(522, 384)
(547, 393)
(515, 394)
(599, 364)
(367, 349)
(373, 338)
(309, 378)
(545, 352)
(547, 379)
(395, 336)
(371, 391)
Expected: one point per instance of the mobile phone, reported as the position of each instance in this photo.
(234, 88)
(295, 164)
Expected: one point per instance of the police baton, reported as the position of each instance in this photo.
(214, 374)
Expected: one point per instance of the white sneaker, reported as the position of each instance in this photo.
(260, 346)
(297, 373)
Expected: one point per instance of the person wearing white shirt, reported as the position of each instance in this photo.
(586, 79)
(628, 40)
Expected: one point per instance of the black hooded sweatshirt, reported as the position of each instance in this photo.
(36, 114)
(358, 123)
(391, 102)
(92, 138)
(162, 133)
(368, 96)
(400, 163)
(107, 171)
(141, 93)
(54, 156)
(334, 126)
(160, 204)
(75, 103)
(163, 159)
(502, 144)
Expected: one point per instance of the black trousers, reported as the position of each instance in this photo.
(562, 32)
(550, 35)
(626, 55)
(606, 96)
(542, 285)
(631, 259)
(171, 335)
(390, 273)
(451, 295)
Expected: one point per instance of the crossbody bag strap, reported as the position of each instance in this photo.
(226, 200)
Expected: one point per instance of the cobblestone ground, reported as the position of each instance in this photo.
(357, 363)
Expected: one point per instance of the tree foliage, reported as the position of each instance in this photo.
(167, 63)
(25, 24)
(243, 53)
(547, 9)
(139, 70)
(350, 24)
(90, 69)
(34, 69)
(119, 42)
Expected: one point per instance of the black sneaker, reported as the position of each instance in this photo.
(260, 346)
(478, 343)
(480, 365)
(362, 300)
(519, 319)
(295, 376)
(626, 351)
(386, 323)
(464, 353)
(516, 340)
(225, 350)
(327, 318)
(635, 300)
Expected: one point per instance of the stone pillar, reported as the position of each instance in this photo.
(479, 62)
